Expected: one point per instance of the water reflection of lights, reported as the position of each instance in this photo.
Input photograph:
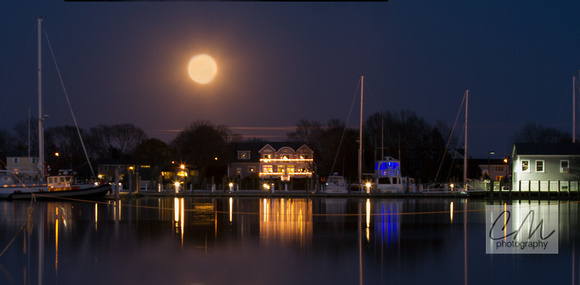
(368, 208)
(60, 216)
(117, 212)
(179, 216)
(56, 243)
(388, 221)
(96, 215)
(231, 209)
(451, 212)
(176, 209)
(286, 221)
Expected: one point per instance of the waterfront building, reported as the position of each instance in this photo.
(545, 167)
(281, 161)
(20, 162)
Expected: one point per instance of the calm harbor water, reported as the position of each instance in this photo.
(271, 241)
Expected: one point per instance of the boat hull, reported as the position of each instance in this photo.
(92, 193)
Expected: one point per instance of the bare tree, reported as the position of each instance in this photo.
(115, 141)
(407, 136)
(64, 149)
(203, 146)
(537, 133)
(309, 132)
(25, 132)
(127, 137)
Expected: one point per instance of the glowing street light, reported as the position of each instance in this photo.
(368, 186)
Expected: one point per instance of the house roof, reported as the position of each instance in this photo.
(485, 161)
(546, 149)
(21, 153)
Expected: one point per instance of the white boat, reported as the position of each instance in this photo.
(335, 184)
(387, 177)
(9, 184)
(62, 186)
(58, 186)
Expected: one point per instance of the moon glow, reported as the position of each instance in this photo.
(202, 68)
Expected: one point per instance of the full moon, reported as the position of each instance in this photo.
(202, 68)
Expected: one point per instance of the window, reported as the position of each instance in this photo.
(304, 156)
(239, 171)
(16, 160)
(267, 156)
(267, 169)
(251, 169)
(525, 166)
(243, 155)
(564, 166)
(539, 166)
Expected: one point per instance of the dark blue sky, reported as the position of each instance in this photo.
(282, 62)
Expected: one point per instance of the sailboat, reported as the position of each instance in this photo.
(336, 183)
(61, 185)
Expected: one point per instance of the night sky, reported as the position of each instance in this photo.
(282, 62)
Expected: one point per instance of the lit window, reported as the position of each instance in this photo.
(539, 166)
(251, 169)
(525, 166)
(564, 166)
(243, 155)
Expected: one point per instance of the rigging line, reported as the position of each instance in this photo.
(450, 136)
(69, 105)
(344, 130)
(577, 92)
(461, 139)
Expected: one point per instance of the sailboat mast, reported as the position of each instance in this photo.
(573, 108)
(28, 143)
(465, 152)
(360, 135)
(40, 117)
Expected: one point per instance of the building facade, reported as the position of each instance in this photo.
(18, 162)
(545, 167)
(271, 161)
(495, 169)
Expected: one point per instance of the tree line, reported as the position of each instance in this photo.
(203, 146)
